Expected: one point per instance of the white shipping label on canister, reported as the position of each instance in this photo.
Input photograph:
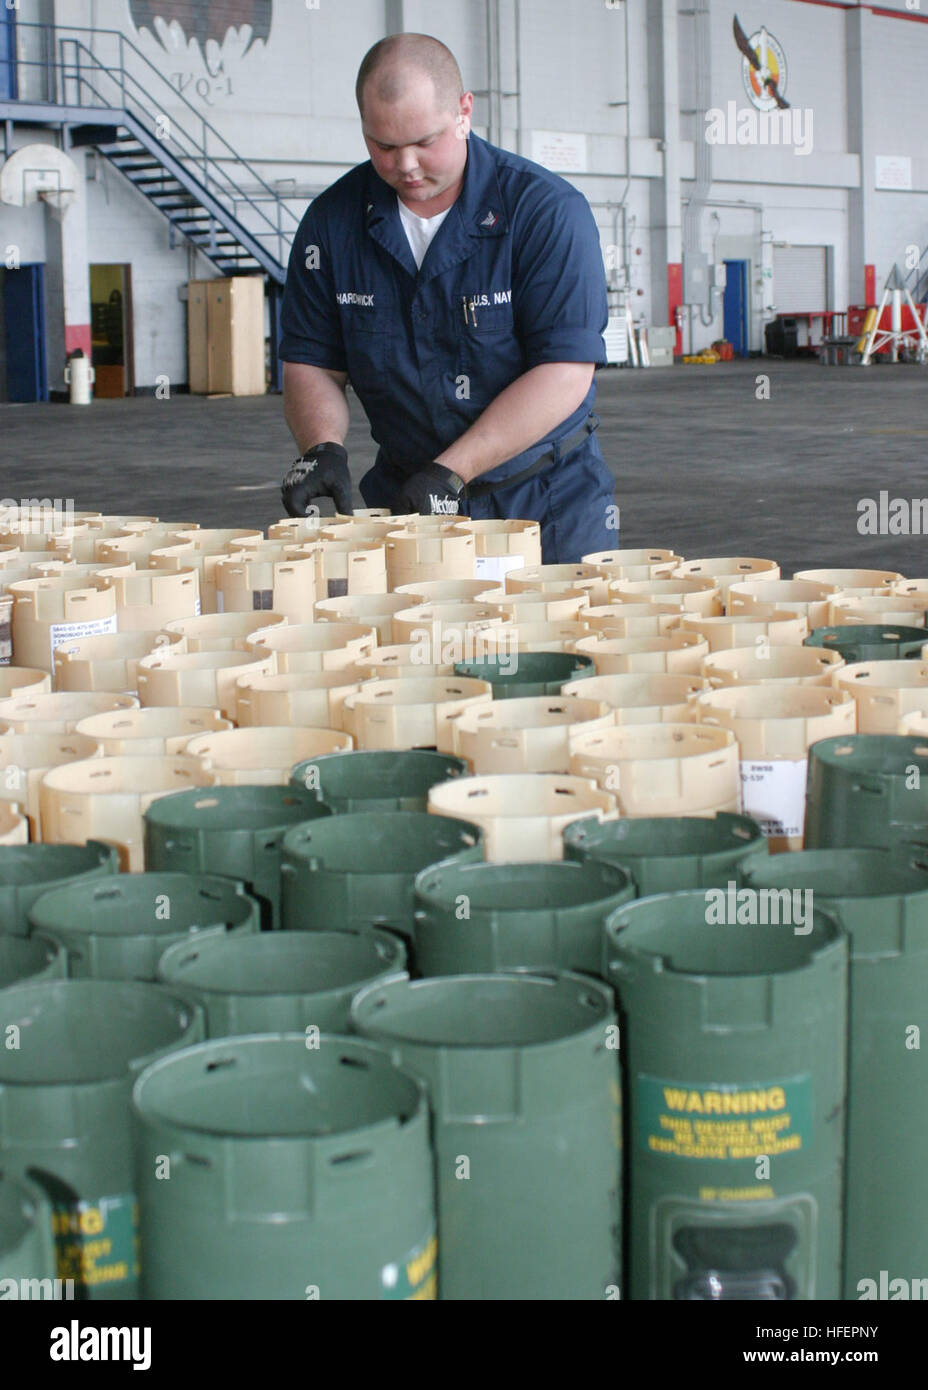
(497, 566)
(774, 794)
(68, 632)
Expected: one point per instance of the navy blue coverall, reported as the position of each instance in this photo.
(513, 278)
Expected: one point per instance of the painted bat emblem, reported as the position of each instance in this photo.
(205, 19)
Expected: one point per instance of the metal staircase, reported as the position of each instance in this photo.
(111, 97)
(192, 210)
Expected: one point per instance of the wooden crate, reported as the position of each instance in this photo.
(225, 334)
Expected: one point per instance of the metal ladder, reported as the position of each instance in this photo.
(156, 138)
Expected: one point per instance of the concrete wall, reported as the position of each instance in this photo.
(286, 104)
(122, 227)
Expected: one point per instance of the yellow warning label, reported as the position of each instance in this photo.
(415, 1276)
(96, 1242)
(723, 1122)
(763, 1192)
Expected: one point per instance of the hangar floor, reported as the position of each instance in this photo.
(701, 463)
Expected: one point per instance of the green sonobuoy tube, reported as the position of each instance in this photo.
(666, 854)
(27, 1246)
(473, 918)
(523, 1081)
(358, 870)
(281, 982)
(117, 929)
(64, 1111)
(866, 642)
(31, 959)
(233, 831)
(883, 906)
(734, 1051)
(867, 790)
(295, 1173)
(27, 871)
(371, 779)
(528, 673)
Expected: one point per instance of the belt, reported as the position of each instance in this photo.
(554, 454)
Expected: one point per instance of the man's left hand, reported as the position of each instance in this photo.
(433, 491)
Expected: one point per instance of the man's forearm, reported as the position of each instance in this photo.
(315, 404)
(525, 412)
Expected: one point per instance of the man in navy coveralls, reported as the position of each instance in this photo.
(461, 290)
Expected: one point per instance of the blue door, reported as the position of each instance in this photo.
(735, 306)
(24, 325)
(7, 53)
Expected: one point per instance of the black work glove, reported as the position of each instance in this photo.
(433, 491)
(320, 472)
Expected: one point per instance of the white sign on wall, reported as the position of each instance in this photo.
(563, 151)
(893, 171)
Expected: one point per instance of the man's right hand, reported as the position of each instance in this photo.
(321, 472)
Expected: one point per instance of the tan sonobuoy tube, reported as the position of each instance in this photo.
(52, 610)
(106, 799)
(560, 579)
(403, 659)
(263, 757)
(59, 712)
(662, 769)
(761, 665)
(319, 646)
(157, 732)
(23, 680)
(222, 632)
(314, 699)
(451, 591)
(109, 662)
(770, 626)
(430, 549)
(523, 814)
(640, 698)
(14, 828)
(502, 546)
(860, 583)
(634, 619)
(908, 609)
(532, 607)
(25, 759)
(536, 637)
(680, 653)
(885, 691)
(364, 610)
(795, 595)
(202, 550)
(775, 726)
(653, 563)
(696, 595)
(412, 713)
(199, 678)
(534, 733)
(278, 581)
(147, 599)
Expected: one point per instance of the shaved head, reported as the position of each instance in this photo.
(390, 69)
